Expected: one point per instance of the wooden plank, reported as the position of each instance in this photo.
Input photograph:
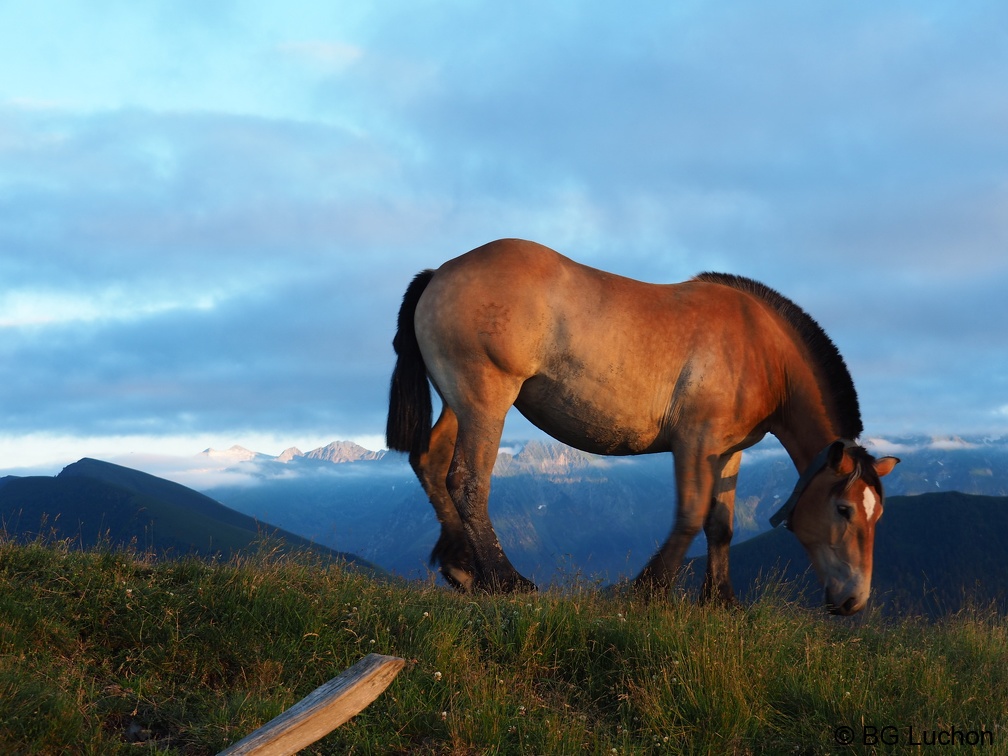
(322, 710)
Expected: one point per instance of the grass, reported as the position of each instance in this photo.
(106, 652)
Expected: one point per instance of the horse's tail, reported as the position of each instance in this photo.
(409, 416)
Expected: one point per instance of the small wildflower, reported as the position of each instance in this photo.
(426, 615)
(444, 716)
(437, 675)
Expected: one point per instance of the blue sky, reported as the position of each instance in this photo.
(209, 211)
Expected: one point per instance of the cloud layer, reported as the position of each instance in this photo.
(207, 218)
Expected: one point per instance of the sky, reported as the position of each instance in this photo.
(209, 211)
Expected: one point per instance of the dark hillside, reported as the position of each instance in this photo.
(142, 484)
(93, 502)
(934, 553)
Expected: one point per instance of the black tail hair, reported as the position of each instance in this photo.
(409, 417)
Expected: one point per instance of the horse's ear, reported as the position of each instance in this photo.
(885, 465)
(839, 462)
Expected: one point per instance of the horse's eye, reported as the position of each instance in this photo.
(846, 511)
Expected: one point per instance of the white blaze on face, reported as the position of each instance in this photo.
(869, 502)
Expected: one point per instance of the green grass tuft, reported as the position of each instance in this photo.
(106, 652)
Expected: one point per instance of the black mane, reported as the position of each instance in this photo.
(823, 351)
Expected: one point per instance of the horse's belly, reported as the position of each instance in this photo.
(586, 424)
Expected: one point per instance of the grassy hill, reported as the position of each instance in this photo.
(103, 652)
(94, 502)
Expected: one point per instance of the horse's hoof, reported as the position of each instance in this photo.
(458, 578)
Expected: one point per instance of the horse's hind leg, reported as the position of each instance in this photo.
(469, 485)
(718, 527)
(452, 551)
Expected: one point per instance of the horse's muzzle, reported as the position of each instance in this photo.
(847, 597)
(848, 607)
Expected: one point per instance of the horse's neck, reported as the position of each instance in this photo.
(805, 428)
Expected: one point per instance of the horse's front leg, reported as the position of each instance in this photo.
(718, 527)
(695, 477)
(469, 486)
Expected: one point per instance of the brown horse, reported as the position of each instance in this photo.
(703, 369)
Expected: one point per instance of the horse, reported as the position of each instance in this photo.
(613, 366)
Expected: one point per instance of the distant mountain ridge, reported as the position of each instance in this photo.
(336, 452)
(543, 456)
(560, 512)
(234, 454)
(341, 452)
(978, 463)
(92, 502)
(548, 458)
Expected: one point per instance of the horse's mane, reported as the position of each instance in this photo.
(821, 348)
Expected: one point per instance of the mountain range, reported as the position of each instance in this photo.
(561, 514)
(556, 509)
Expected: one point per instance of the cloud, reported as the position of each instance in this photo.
(220, 238)
(330, 57)
(246, 364)
(951, 442)
(226, 279)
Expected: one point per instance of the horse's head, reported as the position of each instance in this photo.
(833, 514)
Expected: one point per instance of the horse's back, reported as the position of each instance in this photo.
(521, 296)
(518, 271)
(505, 263)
